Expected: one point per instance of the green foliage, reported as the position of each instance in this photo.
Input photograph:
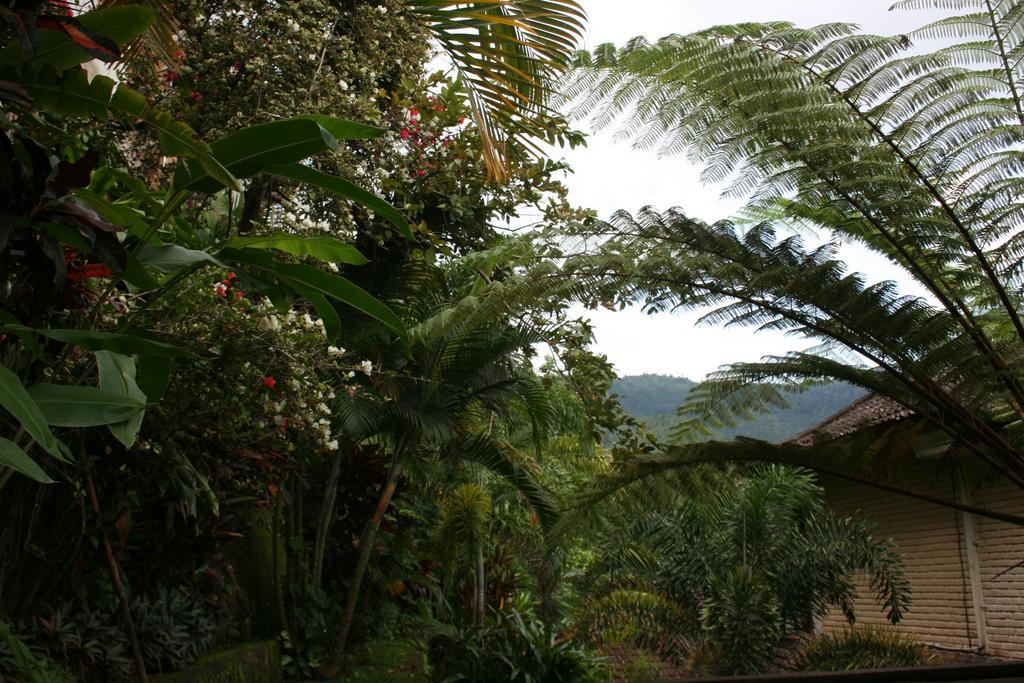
(862, 647)
(757, 556)
(912, 155)
(509, 55)
(518, 650)
(740, 616)
(174, 628)
(18, 660)
(643, 669)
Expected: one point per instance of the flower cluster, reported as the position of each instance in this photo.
(272, 402)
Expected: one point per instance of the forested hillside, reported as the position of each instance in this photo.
(654, 399)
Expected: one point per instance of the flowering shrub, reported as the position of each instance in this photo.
(257, 396)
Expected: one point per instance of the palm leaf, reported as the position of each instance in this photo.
(508, 53)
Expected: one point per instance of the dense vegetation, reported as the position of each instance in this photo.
(269, 363)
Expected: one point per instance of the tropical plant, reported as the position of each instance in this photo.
(517, 650)
(509, 55)
(863, 647)
(462, 535)
(449, 393)
(913, 155)
(734, 571)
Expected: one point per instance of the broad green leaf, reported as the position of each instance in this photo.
(120, 24)
(18, 460)
(117, 214)
(94, 340)
(19, 403)
(343, 188)
(73, 94)
(170, 258)
(307, 277)
(250, 150)
(322, 248)
(135, 274)
(117, 375)
(332, 321)
(343, 129)
(154, 376)
(74, 406)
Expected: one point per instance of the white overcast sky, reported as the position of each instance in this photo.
(611, 175)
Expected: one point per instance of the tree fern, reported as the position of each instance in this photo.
(917, 156)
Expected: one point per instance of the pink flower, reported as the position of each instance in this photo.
(220, 289)
(406, 133)
(197, 96)
(172, 76)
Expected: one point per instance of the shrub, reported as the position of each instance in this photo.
(643, 669)
(860, 648)
(517, 651)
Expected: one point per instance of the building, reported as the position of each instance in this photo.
(966, 571)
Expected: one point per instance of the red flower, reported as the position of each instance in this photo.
(197, 96)
(405, 133)
(414, 113)
(462, 119)
(88, 271)
(269, 382)
(172, 76)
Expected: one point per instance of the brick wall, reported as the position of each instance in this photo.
(932, 541)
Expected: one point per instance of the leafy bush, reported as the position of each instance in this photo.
(174, 628)
(741, 617)
(757, 557)
(18, 662)
(643, 669)
(517, 651)
(860, 648)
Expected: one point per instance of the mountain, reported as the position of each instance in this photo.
(654, 399)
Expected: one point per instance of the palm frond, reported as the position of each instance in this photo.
(509, 54)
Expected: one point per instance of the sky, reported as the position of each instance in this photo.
(610, 175)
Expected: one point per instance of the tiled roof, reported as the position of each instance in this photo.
(864, 412)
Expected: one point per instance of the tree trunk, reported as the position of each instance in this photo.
(481, 586)
(366, 541)
(277, 560)
(326, 516)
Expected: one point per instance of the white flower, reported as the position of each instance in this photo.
(322, 407)
(366, 366)
(332, 445)
(269, 324)
(342, 84)
(335, 351)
